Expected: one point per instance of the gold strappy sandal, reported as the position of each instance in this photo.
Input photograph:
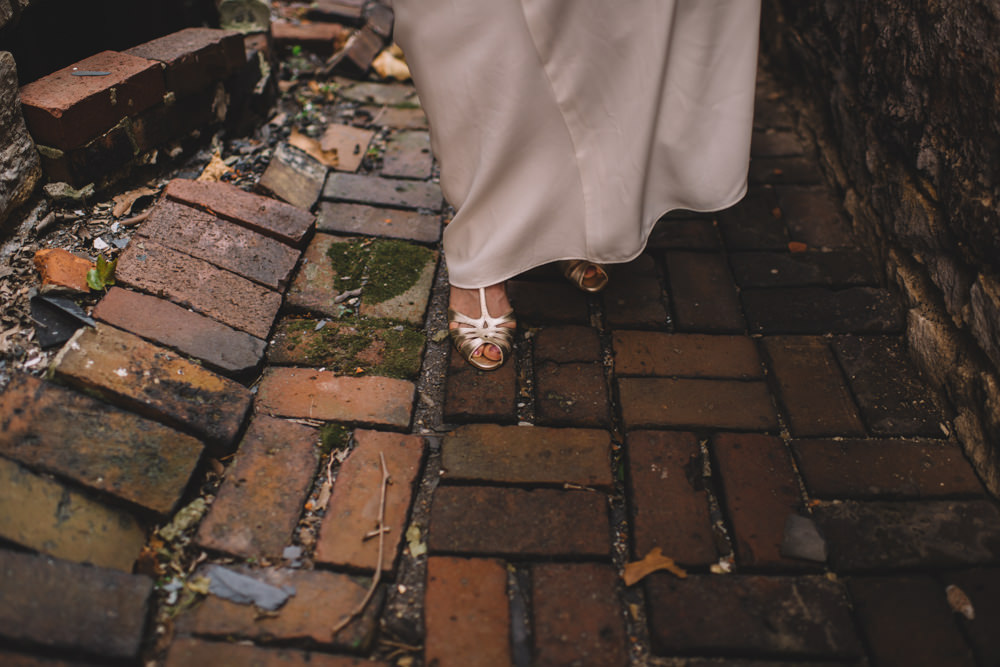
(576, 269)
(471, 334)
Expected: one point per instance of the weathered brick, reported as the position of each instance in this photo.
(9, 659)
(221, 243)
(381, 94)
(467, 617)
(312, 394)
(372, 221)
(72, 607)
(231, 299)
(754, 223)
(893, 397)
(668, 504)
(267, 216)
(502, 521)
(380, 18)
(259, 503)
(566, 344)
(572, 395)
(932, 533)
(634, 302)
(320, 38)
(474, 395)
(61, 270)
(91, 162)
(410, 304)
(193, 58)
(760, 492)
(982, 586)
(842, 268)
(723, 404)
(577, 619)
(684, 234)
(685, 355)
(153, 381)
(770, 113)
(399, 118)
(42, 514)
(355, 59)
(187, 652)
(383, 191)
(796, 617)
(907, 621)
(113, 451)
(350, 143)
(66, 111)
(775, 143)
(178, 118)
(814, 218)
(885, 469)
(793, 170)
(811, 388)
(548, 303)
(314, 286)
(220, 347)
(814, 310)
(337, 10)
(408, 155)
(294, 177)
(527, 455)
(703, 293)
(353, 511)
(321, 600)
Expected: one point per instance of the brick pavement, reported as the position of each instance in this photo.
(725, 382)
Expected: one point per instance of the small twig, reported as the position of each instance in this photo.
(377, 532)
(381, 548)
(136, 219)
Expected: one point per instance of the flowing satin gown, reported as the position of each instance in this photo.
(566, 128)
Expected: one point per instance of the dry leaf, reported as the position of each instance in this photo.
(797, 246)
(124, 201)
(389, 66)
(653, 562)
(215, 169)
(960, 602)
(311, 147)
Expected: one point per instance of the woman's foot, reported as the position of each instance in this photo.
(483, 338)
(588, 276)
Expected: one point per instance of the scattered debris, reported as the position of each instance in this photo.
(312, 147)
(124, 202)
(802, 540)
(243, 589)
(64, 192)
(416, 546)
(654, 561)
(62, 271)
(184, 519)
(215, 169)
(960, 602)
(56, 319)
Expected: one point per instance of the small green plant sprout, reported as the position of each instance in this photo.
(103, 275)
(297, 50)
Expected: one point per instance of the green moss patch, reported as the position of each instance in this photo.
(383, 268)
(333, 436)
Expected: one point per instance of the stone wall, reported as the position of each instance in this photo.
(19, 163)
(903, 98)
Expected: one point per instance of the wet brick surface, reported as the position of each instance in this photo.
(474, 395)
(667, 402)
(661, 354)
(572, 395)
(566, 344)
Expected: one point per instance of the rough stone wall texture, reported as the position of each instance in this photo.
(19, 163)
(903, 98)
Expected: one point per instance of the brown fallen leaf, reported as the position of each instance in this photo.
(797, 246)
(311, 147)
(960, 602)
(654, 561)
(215, 169)
(389, 66)
(125, 201)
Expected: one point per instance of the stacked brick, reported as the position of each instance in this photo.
(103, 113)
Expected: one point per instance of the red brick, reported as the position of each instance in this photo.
(178, 118)
(71, 607)
(348, 142)
(372, 221)
(982, 586)
(474, 395)
(337, 10)
(631, 301)
(814, 310)
(62, 270)
(685, 355)
(668, 504)
(577, 619)
(548, 303)
(8, 659)
(760, 491)
(515, 522)
(93, 161)
(231, 299)
(926, 534)
(153, 381)
(321, 38)
(383, 191)
(907, 621)
(399, 118)
(293, 177)
(222, 243)
(812, 390)
(380, 19)
(220, 347)
(775, 143)
(193, 58)
(408, 155)
(353, 511)
(315, 285)
(312, 394)
(754, 223)
(267, 216)
(259, 503)
(467, 617)
(66, 111)
(885, 469)
(42, 514)
(723, 404)
(355, 59)
(785, 171)
(703, 293)
(684, 234)
(527, 455)
(566, 344)
(112, 451)
(572, 395)
(814, 218)
(187, 652)
(793, 617)
(893, 397)
(842, 268)
(321, 600)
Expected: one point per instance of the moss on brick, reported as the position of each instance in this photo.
(383, 268)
